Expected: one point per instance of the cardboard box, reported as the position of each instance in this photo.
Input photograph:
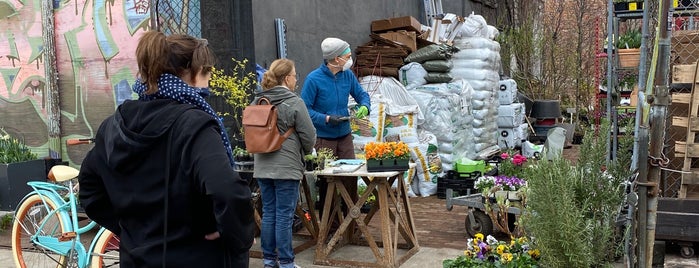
(407, 23)
(404, 37)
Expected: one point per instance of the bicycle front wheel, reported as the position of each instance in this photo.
(33, 217)
(106, 251)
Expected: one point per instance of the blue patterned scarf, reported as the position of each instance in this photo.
(172, 87)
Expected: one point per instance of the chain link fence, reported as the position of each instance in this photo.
(684, 52)
(178, 17)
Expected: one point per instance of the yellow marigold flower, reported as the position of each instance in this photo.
(507, 257)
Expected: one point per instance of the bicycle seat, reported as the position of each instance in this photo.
(61, 173)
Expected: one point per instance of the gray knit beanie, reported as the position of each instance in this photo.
(334, 47)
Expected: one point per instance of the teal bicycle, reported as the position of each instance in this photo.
(46, 230)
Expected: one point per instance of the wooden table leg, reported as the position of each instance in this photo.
(391, 223)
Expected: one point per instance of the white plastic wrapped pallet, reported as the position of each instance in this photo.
(483, 78)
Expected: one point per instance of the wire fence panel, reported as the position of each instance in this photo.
(178, 17)
(684, 54)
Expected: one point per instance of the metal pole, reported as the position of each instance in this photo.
(53, 109)
(642, 77)
(639, 159)
(658, 114)
(610, 68)
(154, 15)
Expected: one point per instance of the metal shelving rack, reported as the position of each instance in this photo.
(613, 67)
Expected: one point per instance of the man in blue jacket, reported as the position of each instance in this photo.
(326, 92)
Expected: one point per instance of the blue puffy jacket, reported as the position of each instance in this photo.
(328, 94)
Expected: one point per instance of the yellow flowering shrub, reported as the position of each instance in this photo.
(235, 89)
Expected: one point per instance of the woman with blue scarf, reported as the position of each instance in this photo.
(160, 175)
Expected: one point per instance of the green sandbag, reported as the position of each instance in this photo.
(442, 66)
(434, 77)
(432, 52)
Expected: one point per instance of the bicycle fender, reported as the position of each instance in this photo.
(45, 194)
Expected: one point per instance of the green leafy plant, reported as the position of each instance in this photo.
(241, 154)
(630, 39)
(317, 161)
(13, 150)
(361, 189)
(583, 199)
(6, 221)
(235, 89)
(490, 252)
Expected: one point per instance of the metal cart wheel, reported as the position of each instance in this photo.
(687, 252)
(482, 223)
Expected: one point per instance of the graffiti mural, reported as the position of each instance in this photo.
(95, 44)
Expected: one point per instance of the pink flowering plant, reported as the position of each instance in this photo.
(513, 165)
(490, 252)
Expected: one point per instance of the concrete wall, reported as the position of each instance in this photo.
(308, 22)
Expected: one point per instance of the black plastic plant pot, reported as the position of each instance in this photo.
(624, 6)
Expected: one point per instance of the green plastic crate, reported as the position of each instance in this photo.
(469, 166)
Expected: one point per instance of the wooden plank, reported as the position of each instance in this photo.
(680, 121)
(677, 219)
(677, 226)
(680, 148)
(681, 97)
(678, 205)
(683, 73)
(690, 178)
(692, 151)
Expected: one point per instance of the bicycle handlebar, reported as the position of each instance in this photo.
(80, 141)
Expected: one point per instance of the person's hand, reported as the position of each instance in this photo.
(335, 120)
(212, 236)
(362, 112)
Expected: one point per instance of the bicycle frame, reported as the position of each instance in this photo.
(66, 210)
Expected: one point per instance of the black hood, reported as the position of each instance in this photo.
(136, 127)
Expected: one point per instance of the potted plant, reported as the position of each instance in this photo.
(236, 90)
(627, 5)
(386, 156)
(628, 48)
(366, 207)
(317, 160)
(489, 252)
(18, 165)
(243, 159)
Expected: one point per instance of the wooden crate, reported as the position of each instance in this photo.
(683, 73)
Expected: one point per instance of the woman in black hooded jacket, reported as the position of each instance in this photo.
(160, 175)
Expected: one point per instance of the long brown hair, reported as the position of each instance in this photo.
(157, 54)
(278, 70)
